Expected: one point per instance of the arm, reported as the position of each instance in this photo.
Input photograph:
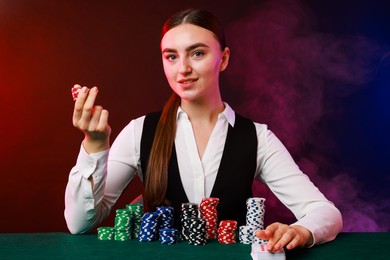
(85, 187)
(100, 176)
(88, 205)
(319, 220)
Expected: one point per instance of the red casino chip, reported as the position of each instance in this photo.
(75, 92)
(227, 232)
(208, 208)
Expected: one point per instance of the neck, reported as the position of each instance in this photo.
(203, 110)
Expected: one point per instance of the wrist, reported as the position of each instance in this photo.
(95, 146)
(307, 236)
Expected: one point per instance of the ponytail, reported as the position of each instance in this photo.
(156, 180)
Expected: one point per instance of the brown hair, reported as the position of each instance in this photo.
(156, 179)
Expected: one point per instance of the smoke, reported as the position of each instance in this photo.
(291, 77)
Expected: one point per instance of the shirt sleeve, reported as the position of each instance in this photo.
(277, 169)
(111, 171)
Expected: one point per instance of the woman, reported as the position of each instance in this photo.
(197, 147)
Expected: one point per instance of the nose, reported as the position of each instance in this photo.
(184, 66)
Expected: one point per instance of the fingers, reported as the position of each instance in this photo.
(268, 232)
(263, 234)
(94, 118)
(289, 236)
(293, 243)
(84, 108)
(88, 107)
(280, 235)
(89, 118)
(79, 104)
(103, 120)
(99, 120)
(276, 232)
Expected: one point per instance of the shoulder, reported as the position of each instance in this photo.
(264, 134)
(136, 125)
(150, 122)
(261, 129)
(152, 118)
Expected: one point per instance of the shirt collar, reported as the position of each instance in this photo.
(227, 113)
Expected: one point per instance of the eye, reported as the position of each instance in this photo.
(170, 57)
(197, 54)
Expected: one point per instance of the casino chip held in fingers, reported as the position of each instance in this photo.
(75, 92)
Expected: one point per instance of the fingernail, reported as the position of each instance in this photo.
(84, 89)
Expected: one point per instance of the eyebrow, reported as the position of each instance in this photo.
(188, 49)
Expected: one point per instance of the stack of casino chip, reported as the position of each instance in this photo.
(197, 231)
(208, 208)
(165, 216)
(255, 212)
(123, 224)
(188, 211)
(227, 231)
(149, 227)
(254, 221)
(246, 234)
(168, 236)
(105, 233)
(137, 211)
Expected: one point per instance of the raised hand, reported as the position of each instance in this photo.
(91, 119)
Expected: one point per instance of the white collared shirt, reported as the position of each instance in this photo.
(112, 171)
(198, 175)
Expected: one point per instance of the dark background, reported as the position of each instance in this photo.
(317, 72)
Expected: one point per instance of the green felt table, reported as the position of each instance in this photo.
(66, 246)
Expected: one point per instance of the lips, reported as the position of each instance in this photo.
(187, 81)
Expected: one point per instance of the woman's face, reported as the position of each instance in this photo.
(192, 59)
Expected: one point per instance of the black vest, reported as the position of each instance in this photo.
(233, 184)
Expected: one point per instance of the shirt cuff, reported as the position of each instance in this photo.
(324, 222)
(88, 163)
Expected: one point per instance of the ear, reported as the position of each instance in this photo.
(225, 59)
